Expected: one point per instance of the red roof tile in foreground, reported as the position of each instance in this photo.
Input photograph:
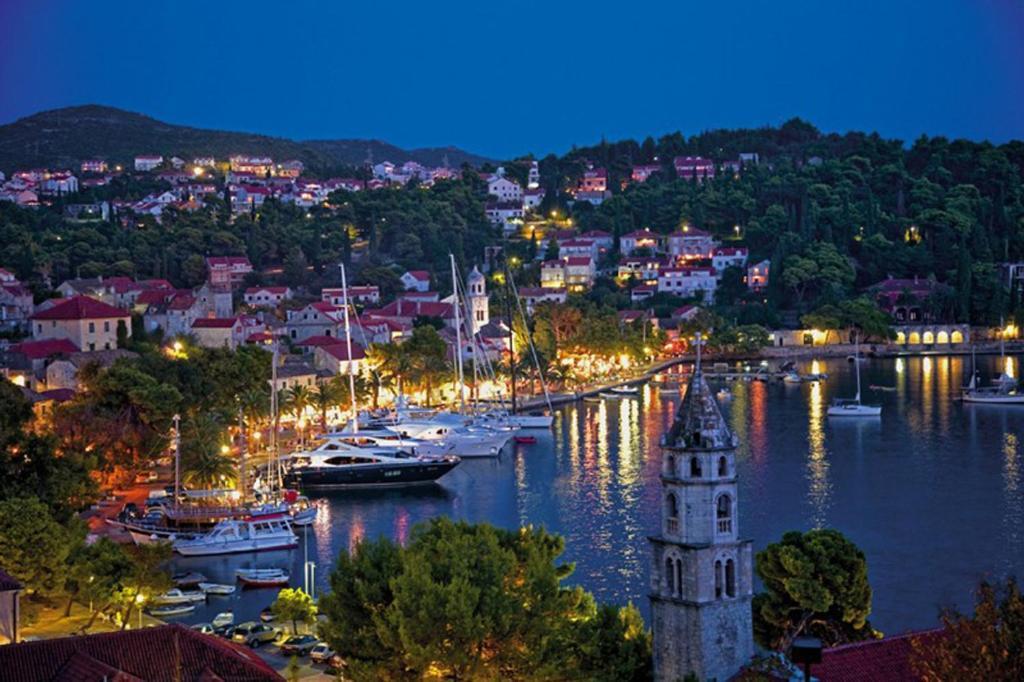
(879, 659)
(158, 653)
(80, 308)
(37, 350)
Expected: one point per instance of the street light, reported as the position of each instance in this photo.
(806, 650)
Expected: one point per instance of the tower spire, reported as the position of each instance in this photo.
(701, 577)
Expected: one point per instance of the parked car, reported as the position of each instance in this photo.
(260, 634)
(204, 628)
(321, 653)
(299, 645)
(225, 631)
(241, 631)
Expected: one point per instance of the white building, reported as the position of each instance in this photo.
(416, 280)
(728, 256)
(639, 239)
(532, 296)
(691, 244)
(506, 191)
(687, 281)
(148, 163)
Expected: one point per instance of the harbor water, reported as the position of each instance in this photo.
(931, 491)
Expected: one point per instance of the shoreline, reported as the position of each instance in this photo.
(779, 354)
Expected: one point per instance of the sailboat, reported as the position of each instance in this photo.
(845, 407)
(1003, 392)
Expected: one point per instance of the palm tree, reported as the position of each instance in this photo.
(296, 399)
(325, 395)
(205, 464)
(255, 404)
(392, 365)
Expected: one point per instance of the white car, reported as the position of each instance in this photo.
(320, 653)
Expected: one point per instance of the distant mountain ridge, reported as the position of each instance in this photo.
(64, 137)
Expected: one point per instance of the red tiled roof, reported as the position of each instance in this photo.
(37, 350)
(578, 260)
(640, 234)
(421, 275)
(272, 290)
(318, 340)
(153, 296)
(730, 251)
(259, 337)
(227, 261)
(339, 351)
(157, 653)
(214, 323)
(879, 659)
(182, 302)
(80, 308)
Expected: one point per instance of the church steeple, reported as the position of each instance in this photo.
(701, 578)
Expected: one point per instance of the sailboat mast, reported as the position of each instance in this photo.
(511, 337)
(856, 362)
(458, 336)
(177, 459)
(273, 414)
(348, 348)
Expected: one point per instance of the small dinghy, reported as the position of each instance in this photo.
(176, 596)
(171, 610)
(216, 588)
(262, 577)
(526, 440)
(223, 619)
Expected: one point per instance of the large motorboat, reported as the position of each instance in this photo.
(336, 464)
(249, 535)
(459, 435)
(847, 407)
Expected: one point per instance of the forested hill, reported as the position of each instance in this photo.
(64, 137)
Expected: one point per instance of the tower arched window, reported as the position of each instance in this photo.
(695, 467)
(671, 513)
(672, 465)
(723, 513)
(670, 575)
(679, 576)
(730, 578)
(718, 580)
(723, 467)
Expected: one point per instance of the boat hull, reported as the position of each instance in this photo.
(859, 411)
(532, 421)
(994, 399)
(370, 476)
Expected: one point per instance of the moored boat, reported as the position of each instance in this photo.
(251, 535)
(526, 440)
(191, 579)
(350, 467)
(262, 577)
(172, 610)
(177, 596)
(217, 588)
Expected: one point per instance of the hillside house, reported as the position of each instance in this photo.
(640, 239)
(757, 275)
(266, 297)
(694, 167)
(416, 280)
(690, 243)
(86, 322)
(148, 163)
(227, 271)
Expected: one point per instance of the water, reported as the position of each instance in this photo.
(932, 492)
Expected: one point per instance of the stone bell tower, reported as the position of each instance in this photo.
(478, 305)
(701, 579)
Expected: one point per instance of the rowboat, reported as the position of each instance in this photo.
(172, 610)
(216, 588)
(176, 596)
(526, 440)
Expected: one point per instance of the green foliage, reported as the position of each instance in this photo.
(296, 606)
(989, 645)
(816, 583)
(475, 602)
(34, 547)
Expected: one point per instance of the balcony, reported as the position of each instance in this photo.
(724, 525)
(672, 525)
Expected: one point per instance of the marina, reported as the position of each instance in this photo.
(593, 478)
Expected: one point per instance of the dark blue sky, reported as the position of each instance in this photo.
(508, 78)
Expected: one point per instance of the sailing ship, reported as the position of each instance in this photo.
(1003, 392)
(846, 407)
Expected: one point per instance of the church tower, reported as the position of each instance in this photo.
(478, 307)
(701, 578)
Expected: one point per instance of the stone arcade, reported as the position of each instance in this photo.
(701, 582)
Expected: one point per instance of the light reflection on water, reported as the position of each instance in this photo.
(931, 492)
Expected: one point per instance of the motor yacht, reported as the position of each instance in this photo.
(336, 464)
(248, 535)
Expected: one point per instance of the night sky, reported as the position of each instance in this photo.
(505, 78)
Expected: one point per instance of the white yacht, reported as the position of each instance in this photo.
(1002, 392)
(846, 407)
(248, 535)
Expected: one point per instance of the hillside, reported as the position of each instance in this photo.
(63, 137)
